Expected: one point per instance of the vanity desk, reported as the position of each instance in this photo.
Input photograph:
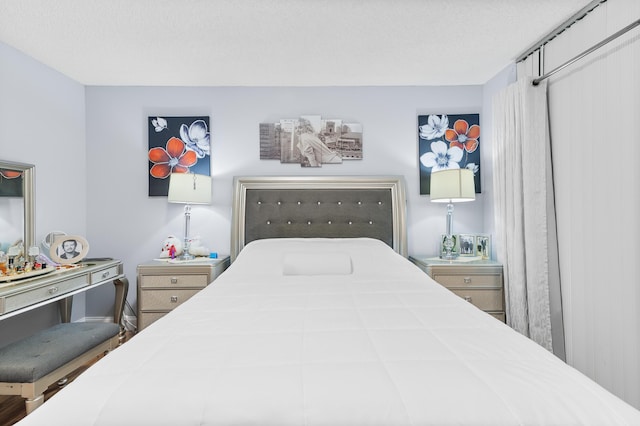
(60, 285)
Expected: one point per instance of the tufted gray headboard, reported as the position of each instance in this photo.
(325, 206)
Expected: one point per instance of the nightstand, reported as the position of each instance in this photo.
(478, 281)
(163, 285)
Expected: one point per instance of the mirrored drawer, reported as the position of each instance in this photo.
(485, 299)
(165, 299)
(173, 281)
(469, 280)
(105, 274)
(147, 318)
(18, 300)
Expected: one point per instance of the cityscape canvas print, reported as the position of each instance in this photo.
(177, 145)
(311, 141)
(448, 141)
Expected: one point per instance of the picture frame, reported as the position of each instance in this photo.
(467, 245)
(456, 246)
(483, 246)
(68, 249)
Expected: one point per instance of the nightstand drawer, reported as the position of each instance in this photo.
(174, 281)
(487, 300)
(501, 316)
(146, 318)
(484, 281)
(161, 300)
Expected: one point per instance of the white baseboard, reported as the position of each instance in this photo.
(130, 321)
(96, 319)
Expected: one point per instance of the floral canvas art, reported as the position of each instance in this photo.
(448, 141)
(10, 183)
(177, 145)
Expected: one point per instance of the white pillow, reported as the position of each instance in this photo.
(317, 263)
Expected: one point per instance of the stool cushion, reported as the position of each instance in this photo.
(33, 357)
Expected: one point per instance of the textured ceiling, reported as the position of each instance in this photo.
(279, 42)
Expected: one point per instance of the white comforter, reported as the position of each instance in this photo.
(375, 343)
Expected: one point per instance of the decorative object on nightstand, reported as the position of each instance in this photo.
(479, 282)
(451, 186)
(164, 285)
(188, 189)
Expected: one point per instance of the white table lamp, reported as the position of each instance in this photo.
(188, 189)
(451, 186)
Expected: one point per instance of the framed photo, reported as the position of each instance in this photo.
(483, 246)
(68, 249)
(456, 247)
(467, 244)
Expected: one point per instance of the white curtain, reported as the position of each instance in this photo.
(597, 187)
(525, 217)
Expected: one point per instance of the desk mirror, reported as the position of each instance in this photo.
(17, 208)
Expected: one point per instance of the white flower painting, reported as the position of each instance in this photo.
(448, 141)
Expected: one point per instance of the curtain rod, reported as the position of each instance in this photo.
(586, 52)
(560, 28)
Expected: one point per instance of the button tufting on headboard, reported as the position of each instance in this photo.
(278, 207)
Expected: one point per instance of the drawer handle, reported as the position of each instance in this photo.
(53, 290)
(174, 299)
(468, 299)
(467, 280)
(105, 274)
(174, 280)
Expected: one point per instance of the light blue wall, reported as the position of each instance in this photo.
(117, 157)
(42, 122)
(89, 145)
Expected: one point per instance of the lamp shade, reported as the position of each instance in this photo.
(452, 185)
(189, 188)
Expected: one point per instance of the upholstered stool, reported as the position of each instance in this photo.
(29, 366)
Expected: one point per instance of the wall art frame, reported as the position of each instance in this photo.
(311, 141)
(448, 141)
(177, 145)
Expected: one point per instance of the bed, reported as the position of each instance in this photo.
(308, 330)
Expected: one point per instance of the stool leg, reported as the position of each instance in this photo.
(33, 403)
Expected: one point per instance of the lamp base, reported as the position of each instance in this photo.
(186, 256)
(451, 256)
